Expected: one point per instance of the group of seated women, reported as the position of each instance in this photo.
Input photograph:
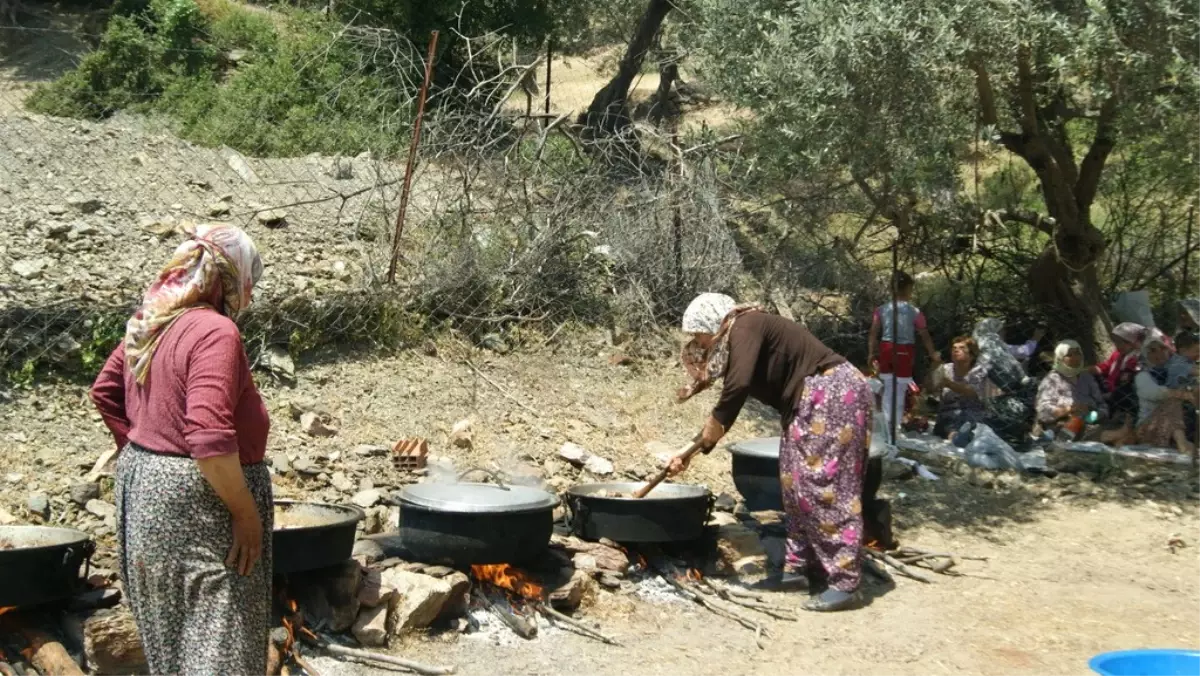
(1144, 393)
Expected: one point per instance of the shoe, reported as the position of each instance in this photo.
(784, 582)
(833, 600)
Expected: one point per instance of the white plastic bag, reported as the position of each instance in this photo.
(1134, 306)
(988, 451)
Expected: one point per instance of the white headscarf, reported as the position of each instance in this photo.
(706, 312)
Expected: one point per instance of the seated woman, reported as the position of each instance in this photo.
(1117, 372)
(1164, 385)
(963, 383)
(1069, 394)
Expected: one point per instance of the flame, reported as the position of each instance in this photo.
(506, 577)
(286, 649)
(694, 575)
(6, 609)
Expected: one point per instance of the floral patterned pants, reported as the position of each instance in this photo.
(821, 460)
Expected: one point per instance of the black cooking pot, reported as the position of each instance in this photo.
(312, 535)
(669, 513)
(40, 564)
(464, 524)
(756, 473)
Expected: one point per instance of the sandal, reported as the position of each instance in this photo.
(833, 600)
(784, 582)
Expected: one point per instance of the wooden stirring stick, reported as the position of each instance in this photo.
(687, 452)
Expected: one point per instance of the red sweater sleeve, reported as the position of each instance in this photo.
(217, 372)
(108, 396)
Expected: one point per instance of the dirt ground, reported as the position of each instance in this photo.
(1068, 575)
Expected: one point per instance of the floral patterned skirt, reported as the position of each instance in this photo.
(822, 460)
(194, 615)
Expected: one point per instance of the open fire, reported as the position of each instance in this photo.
(506, 577)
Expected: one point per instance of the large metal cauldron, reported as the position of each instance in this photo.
(669, 513)
(312, 535)
(466, 523)
(40, 564)
(756, 473)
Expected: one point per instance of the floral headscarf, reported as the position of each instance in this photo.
(214, 253)
(1176, 371)
(1060, 359)
(712, 313)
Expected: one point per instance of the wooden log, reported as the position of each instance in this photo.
(274, 659)
(7, 670)
(49, 656)
(520, 626)
(111, 643)
(377, 658)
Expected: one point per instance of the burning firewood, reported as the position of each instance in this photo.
(49, 656)
(502, 609)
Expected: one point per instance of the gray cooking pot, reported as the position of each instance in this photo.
(465, 524)
(756, 473)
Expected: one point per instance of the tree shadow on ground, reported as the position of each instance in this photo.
(983, 502)
(46, 41)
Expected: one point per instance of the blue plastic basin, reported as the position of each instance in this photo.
(1147, 663)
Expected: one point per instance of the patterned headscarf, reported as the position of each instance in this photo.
(1129, 332)
(1060, 359)
(705, 366)
(706, 312)
(215, 253)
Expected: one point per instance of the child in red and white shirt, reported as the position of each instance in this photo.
(897, 352)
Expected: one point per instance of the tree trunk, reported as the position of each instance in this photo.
(1064, 282)
(609, 113)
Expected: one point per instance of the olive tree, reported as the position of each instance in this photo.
(894, 95)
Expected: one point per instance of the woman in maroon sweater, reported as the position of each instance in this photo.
(825, 404)
(194, 506)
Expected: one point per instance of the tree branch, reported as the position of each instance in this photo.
(1097, 155)
(1027, 104)
(987, 95)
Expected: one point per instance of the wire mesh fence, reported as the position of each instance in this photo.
(517, 216)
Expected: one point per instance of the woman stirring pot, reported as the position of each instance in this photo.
(825, 404)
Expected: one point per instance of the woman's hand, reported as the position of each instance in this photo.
(678, 464)
(247, 543)
(711, 435)
(224, 474)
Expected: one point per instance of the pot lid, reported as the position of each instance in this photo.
(27, 538)
(476, 497)
(764, 447)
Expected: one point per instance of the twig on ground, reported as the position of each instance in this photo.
(671, 574)
(499, 389)
(778, 612)
(907, 552)
(335, 649)
(556, 616)
(897, 566)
